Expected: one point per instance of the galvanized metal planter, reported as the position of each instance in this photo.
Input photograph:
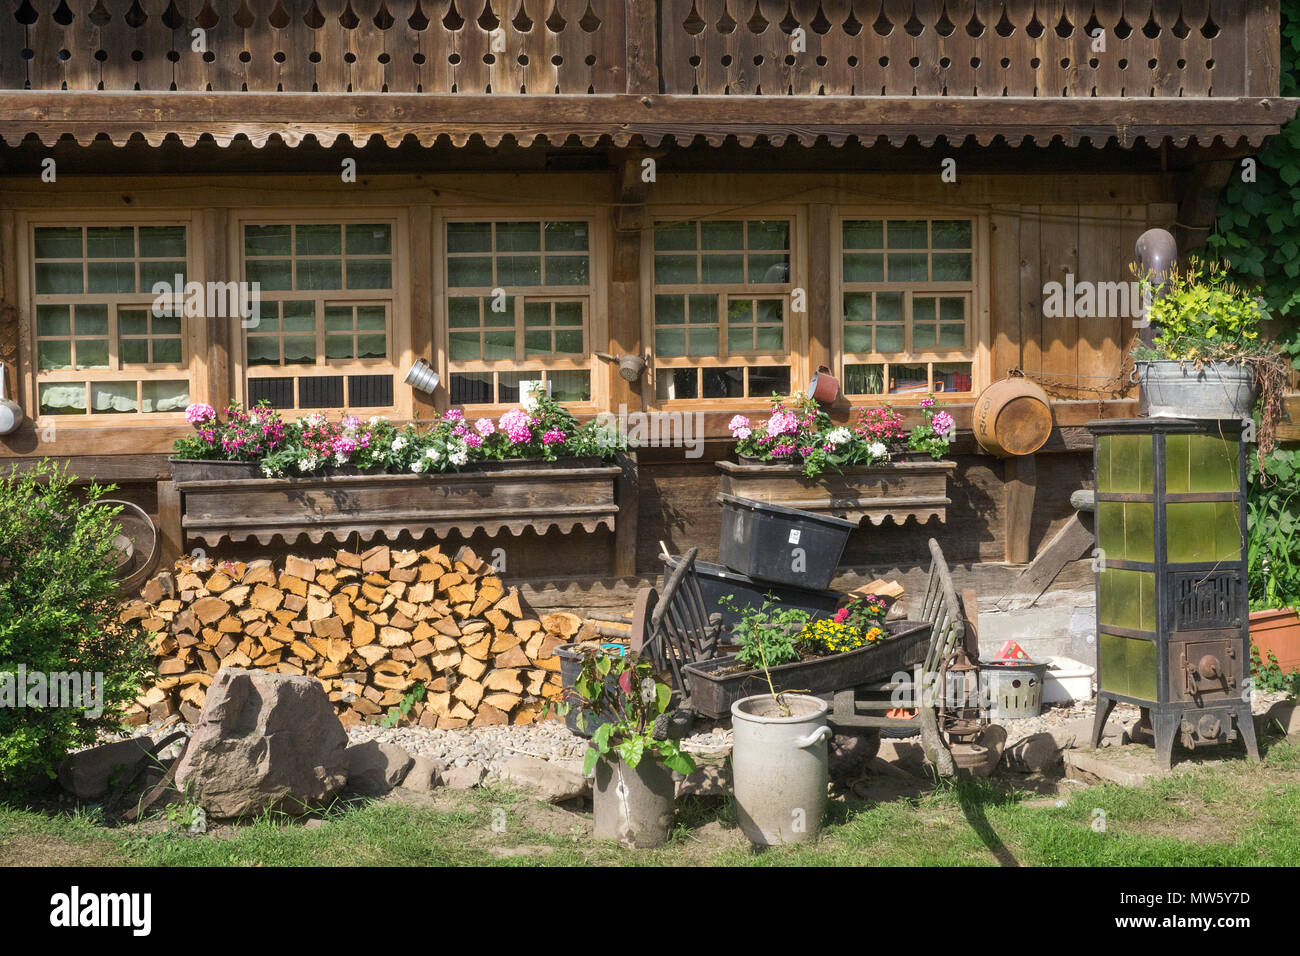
(895, 489)
(536, 495)
(1180, 390)
(712, 693)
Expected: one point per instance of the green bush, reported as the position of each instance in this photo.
(59, 614)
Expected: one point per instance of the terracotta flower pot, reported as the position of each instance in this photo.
(1277, 631)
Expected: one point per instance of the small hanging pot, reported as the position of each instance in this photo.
(11, 413)
(823, 386)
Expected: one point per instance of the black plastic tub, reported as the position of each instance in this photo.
(713, 693)
(570, 657)
(779, 544)
(716, 582)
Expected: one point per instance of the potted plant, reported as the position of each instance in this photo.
(779, 755)
(631, 753)
(1208, 358)
(1273, 570)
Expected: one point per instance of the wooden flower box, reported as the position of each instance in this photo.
(894, 489)
(504, 496)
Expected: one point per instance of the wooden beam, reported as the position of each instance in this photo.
(1021, 476)
(216, 373)
(1072, 542)
(642, 41)
(85, 115)
(170, 537)
(1200, 187)
(820, 305)
(625, 528)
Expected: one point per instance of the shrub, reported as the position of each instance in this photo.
(59, 614)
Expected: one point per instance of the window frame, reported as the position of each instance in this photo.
(977, 350)
(592, 297)
(397, 301)
(796, 330)
(193, 334)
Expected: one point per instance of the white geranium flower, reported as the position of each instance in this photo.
(399, 443)
(839, 436)
(340, 458)
(417, 466)
(431, 454)
(878, 450)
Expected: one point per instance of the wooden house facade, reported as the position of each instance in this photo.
(739, 191)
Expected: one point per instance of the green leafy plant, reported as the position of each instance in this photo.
(935, 433)
(800, 432)
(1202, 315)
(59, 612)
(768, 635)
(397, 713)
(1273, 523)
(629, 705)
(1268, 675)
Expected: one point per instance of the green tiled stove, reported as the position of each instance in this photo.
(1172, 616)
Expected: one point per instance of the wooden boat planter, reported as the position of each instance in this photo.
(511, 496)
(895, 489)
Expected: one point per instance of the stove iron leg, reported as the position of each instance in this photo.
(1104, 706)
(1246, 726)
(1165, 726)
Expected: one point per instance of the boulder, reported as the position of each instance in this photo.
(1280, 718)
(710, 780)
(849, 754)
(425, 775)
(462, 778)
(264, 742)
(1035, 753)
(553, 780)
(375, 768)
(89, 774)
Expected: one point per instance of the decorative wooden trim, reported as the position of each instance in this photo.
(898, 490)
(625, 119)
(514, 500)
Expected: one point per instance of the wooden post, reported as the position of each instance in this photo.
(422, 338)
(630, 218)
(641, 32)
(626, 494)
(170, 537)
(216, 268)
(1021, 475)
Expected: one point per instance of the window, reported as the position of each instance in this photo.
(721, 300)
(100, 346)
(518, 308)
(323, 336)
(908, 293)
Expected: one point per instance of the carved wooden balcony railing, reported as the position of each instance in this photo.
(895, 48)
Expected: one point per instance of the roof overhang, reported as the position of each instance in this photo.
(630, 120)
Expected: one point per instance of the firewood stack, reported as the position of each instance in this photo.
(370, 627)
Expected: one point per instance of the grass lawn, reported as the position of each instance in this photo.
(1249, 810)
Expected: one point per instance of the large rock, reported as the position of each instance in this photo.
(264, 742)
(425, 775)
(553, 780)
(1281, 718)
(1035, 753)
(848, 755)
(375, 768)
(88, 775)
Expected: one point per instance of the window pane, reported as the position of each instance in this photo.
(952, 267)
(469, 237)
(59, 277)
(113, 397)
(568, 313)
(952, 376)
(470, 272)
(325, 239)
(907, 234)
(58, 242)
(889, 306)
(676, 383)
(164, 325)
(566, 236)
(133, 351)
(923, 336)
(91, 320)
(675, 270)
(519, 271)
(769, 269)
(299, 316)
(164, 396)
(909, 267)
(498, 345)
(568, 341)
(537, 313)
(263, 350)
(465, 347)
(110, 277)
(726, 235)
(723, 382)
(320, 274)
(857, 338)
(369, 239)
(299, 350)
(463, 313)
(670, 309)
(372, 346)
(372, 317)
(952, 335)
(51, 356)
(162, 242)
(670, 342)
(110, 242)
(769, 234)
(908, 379)
(370, 274)
(951, 233)
(272, 274)
(572, 386)
(857, 306)
(566, 270)
(765, 380)
(53, 320)
(519, 237)
(864, 379)
(267, 240)
(338, 347)
(924, 308)
(470, 388)
(499, 313)
(167, 351)
(703, 342)
(769, 339)
(152, 273)
(703, 309)
(864, 234)
(338, 317)
(675, 236)
(720, 268)
(537, 343)
(889, 338)
(62, 398)
(864, 267)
